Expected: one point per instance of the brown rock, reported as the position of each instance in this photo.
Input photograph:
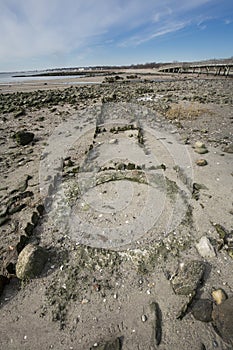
(201, 162)
(31, 261)
(202, 310)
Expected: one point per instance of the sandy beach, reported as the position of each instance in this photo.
(116, 212)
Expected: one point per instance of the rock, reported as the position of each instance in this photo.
(201, 162)
(23, 241)
(111, 345)
(202, 310)
(41, 209)
(3, 281)
(205, 249)
(130, 166)
(228, 148)
(200, 148)
(20, 113)
(219, 296)
(188, 277)
(35, 218)
(23, 137)
(223, 319)
(4, 220)
(157, 323)
(199, 144)
(16, 209)
(29, 228)
(31, 261)
(112, 141)
(144, 318)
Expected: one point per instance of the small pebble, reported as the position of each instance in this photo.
(201, 162)
(144, 318)
(219, 296)
(113, 141)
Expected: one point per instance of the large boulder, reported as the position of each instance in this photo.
(31, 261)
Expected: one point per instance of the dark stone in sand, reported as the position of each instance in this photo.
(23, 137)
(157, 323)
(3, 220)
(29, 229)
(35, 218)
(202, 310)
(3, 281)
(223, 319)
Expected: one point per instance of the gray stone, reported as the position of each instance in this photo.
(205, 249)
(223, 319)
(31, 261)
(188, 277)
(228, 148)
(202, 310)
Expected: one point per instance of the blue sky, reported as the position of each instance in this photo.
(40, 34)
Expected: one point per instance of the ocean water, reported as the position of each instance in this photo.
(7, 78)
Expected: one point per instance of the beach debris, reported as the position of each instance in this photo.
(31, 261)
(205, 248)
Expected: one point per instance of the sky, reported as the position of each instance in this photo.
(43, 34)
